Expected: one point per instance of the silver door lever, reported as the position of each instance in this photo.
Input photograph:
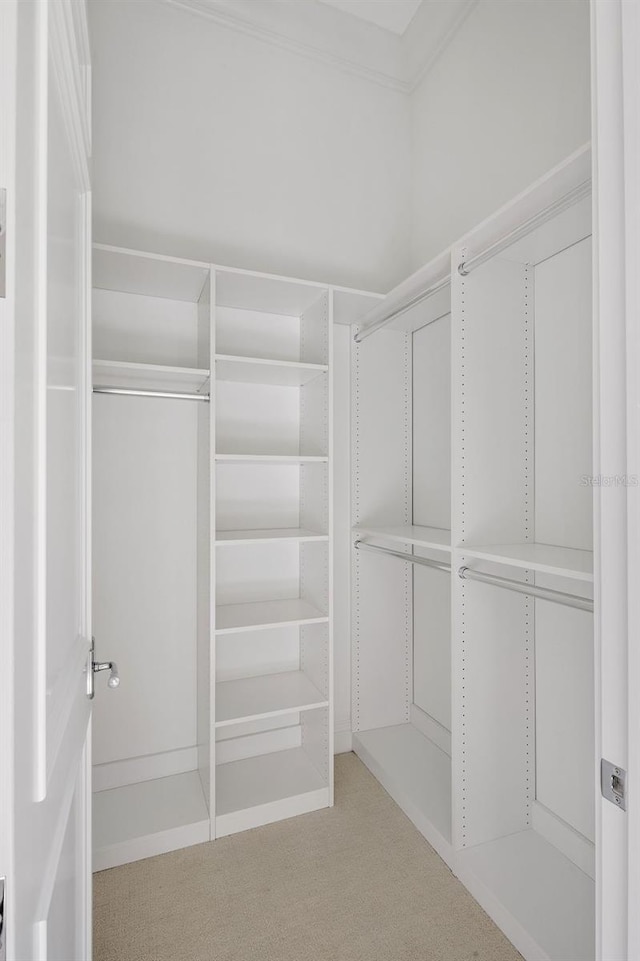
(93, 667)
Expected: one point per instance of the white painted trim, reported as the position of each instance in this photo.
(426, 828)
(259, 31)
(431, 728)
(124, 852)
(269, 813)
(132, 770)
(403, 62)
(566, 839)
(8, 66)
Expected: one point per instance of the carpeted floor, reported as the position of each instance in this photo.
(354, 883)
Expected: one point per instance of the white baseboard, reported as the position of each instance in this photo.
(566, 839)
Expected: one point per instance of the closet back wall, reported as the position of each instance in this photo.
(213, 145)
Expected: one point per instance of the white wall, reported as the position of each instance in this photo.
(506, 101)
(211, 144)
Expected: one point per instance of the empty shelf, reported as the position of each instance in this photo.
(260, 790)
(116, 373)
(152, 817)
(254, 698)
(279, 373)
(416, 774)
(258, 536)
(562, 561)
(272, 458)
(231, 618)
(540, 899)
(435, 538)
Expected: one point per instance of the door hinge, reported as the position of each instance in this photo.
(613, 781)
(3, 930)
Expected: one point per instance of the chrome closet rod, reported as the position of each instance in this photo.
(544, 593)
(173, 395)
(411, 558)
(582, 190)
(376, 325)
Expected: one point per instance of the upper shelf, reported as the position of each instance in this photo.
(264, 536)
(545, 558)
(153, 275)
(271, 458)
(256, 370)
(431, 537)
(116, 373)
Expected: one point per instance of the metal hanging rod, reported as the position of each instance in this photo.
(569, 199)
(173, 395)
(411, 558)
(377, 324)
(544, 593)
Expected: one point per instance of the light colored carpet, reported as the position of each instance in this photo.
(353, 883)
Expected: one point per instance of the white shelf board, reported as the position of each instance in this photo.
(117, 373)
(417, 775)
(271, 458)
(296, 534)
(434, 538)
(267, 695)
(257, 370)
(267, 788)
(545, 558)
(540, 899)
(148, 818)
(259, 615)
(153, 275)
(267, 293)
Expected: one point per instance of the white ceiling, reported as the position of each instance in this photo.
(393, 15)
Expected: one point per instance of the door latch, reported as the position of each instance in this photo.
(94, 667)
(3, 925)
(613, 780)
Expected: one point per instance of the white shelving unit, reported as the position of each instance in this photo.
(401, 639)
(473, 702)
(273, 630)
(223, 719)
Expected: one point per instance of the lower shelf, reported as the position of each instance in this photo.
(268, 788)
(416, 774)
(152, 817)
(541, 900)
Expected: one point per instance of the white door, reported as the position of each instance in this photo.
(45, 613)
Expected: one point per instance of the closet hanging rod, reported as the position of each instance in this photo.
(544, 593)
(173, 395)
(378, 324)
(557, 207)
(411, 558)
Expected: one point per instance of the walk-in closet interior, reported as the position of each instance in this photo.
(328, 517)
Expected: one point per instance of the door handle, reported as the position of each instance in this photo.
(94, 667)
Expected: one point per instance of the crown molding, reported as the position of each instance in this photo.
(219, 13)
(326, 35)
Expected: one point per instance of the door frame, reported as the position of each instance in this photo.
(69, 59)
(615, 37)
